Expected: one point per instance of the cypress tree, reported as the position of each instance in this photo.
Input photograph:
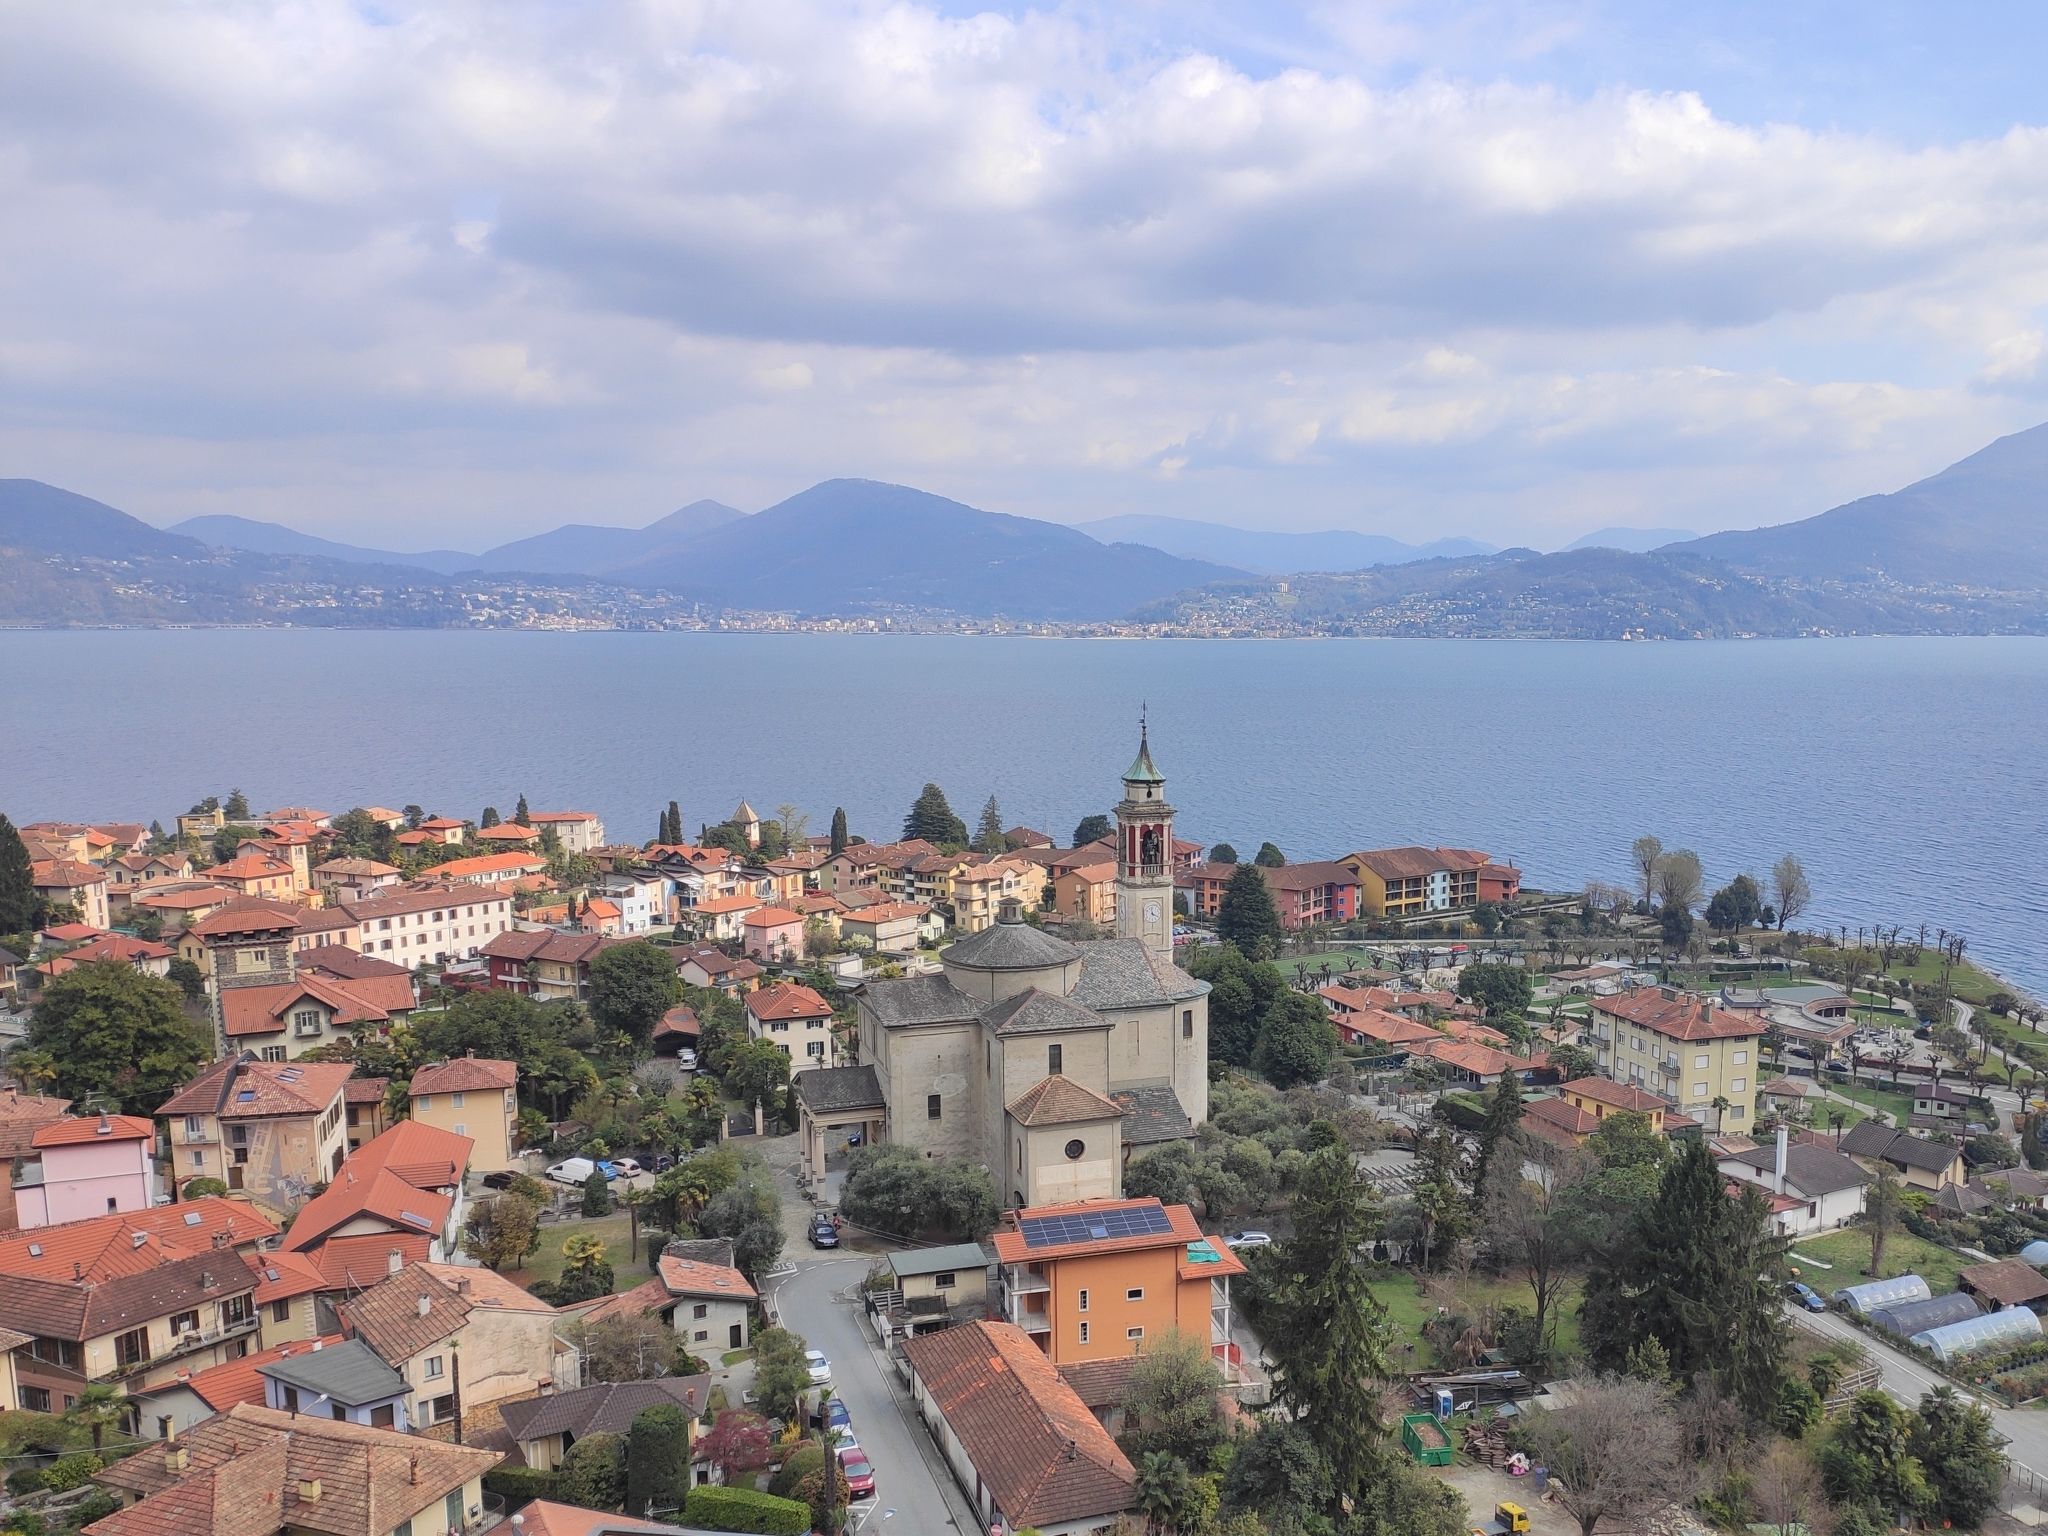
(1247, 917)
(17, 882)
(519, 815)
(839, 829)
(675, 823)
(490, 817)
(988, 832)
(1503, 1118)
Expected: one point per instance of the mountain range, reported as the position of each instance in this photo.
(1634, 541)
(1963, 550)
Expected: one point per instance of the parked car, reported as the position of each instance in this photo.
(820, 1368)
(860, 1477)
(1804, 1295)
(822, 1233)
(686, 1058)
(572, 1170)
(663, 1162)
(627, 1167)
(499, 1180)
(1248, 1240)
(834, 1418)
(608, 1168)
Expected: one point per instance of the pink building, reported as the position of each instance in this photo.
(774, 934)
(81, 1166)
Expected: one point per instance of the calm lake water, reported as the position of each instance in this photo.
(1910, 775)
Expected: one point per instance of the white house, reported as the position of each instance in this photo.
(1812, 1189)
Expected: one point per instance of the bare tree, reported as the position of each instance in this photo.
(1615, 1452)
(1678, 879)
(1883, 1202)
(1644, 853)
(1790, 893)
(1521, 1220)
(1785, 1492)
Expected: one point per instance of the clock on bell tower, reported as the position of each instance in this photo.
(1144, 854)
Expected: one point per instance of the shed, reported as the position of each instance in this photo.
(2005, 1283)
(1872, 1295)
(1957, 1341)
(1911, 1317)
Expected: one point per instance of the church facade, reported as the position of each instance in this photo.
(1031, 1054)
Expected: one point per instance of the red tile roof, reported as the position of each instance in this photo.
(506, 832)
(787, 1000)
(263, 1010)
(90, 1128)
(693, 1277)
(769, 917)
(271, 1088)
(250, 866)
(1011, 1248)
(489, 864)
(1035, 1445)
(239, 1381)
(395, 1177)
(886, 912)
(1620, 1095)
(281, 1276)
(1479, 1060)
(1680, 1017)
(465, 1074)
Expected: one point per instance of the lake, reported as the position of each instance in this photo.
(1910, 775)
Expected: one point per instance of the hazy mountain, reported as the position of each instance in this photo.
(852, 546)
(585, 549)
(1633, 541)
(1271, 554)
(46, 520)
(230, 532)
(1981, 522)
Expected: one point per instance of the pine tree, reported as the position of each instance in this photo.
(18, 901)
(490, 817)
(988, 832)
(1247, 917)
(1503, 1118)
(237, 808)
(157, 836)
(932, 819)
(1325, 1330)
(519, 815)
(839, 829)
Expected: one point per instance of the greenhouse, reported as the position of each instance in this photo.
(1873, 1295)
(2036, 1253)
(1911, 1317)
(1957, 1341)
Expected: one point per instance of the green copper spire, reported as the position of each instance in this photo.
(1141, 770)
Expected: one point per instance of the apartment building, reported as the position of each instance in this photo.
(85, 1166)
(1305, 895)
(273, 1131)
(431, 924)
(797, 1021)
(578, 831)
(1702, 1058)
(474, 1097)
(1408, 882)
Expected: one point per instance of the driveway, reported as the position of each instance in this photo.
(816, 1301)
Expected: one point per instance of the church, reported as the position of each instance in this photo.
(1047, 1061)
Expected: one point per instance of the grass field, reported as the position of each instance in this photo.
(1408, 1308)
(1904, 1254)
(1898, 1105)
(613, 1231)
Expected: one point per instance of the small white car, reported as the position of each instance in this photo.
(686, 1058)
(820, 1367)
(627, 1168)
(1248, 1240)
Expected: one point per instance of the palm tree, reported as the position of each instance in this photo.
(1721, 1107)
(35, 1070)
(100, 1407)
(1164, 1487)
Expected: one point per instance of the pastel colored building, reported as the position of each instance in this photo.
(86, 1166)
(474, 1097)
(774, 935)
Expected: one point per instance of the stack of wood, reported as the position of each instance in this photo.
(1487, 1443)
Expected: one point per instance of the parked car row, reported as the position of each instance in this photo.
(838, 1426)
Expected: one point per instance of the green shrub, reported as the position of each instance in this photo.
(742, 1509)
(515, 1485)
(801, 1462)
(97, 1506)
(69, 1472)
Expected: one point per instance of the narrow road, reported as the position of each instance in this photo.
(910, 1478)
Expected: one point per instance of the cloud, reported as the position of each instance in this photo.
(1044, 260)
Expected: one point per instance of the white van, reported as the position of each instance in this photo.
(575, 1170)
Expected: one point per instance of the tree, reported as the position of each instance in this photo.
(827, 1492)
(1501, 990)
(1572, 1062)
(1738, 904)
(1785, 1493)
(893, 1188)
(1164, 1490)
(593, 1472)
(631, 987)
(932, 819)
(1325, 1330)
(237, 806)
(1644, 853)
(20, 906)
(1278, 1472)
(1790, 893)
(502, 1231)
(1223, 853)
(739, 1440)
(781, 1375)
(1240, 993)
(414, 815)
(1615, 1451)
(190, 980)
(839, 829)
(1674, 927)
(988, 831)
(117, 1034)
(1269, 857)
(99, 1408)
(1884, 1205)
(597, 1194)
(490, 818)
(794, 824)
(1498, 1131)
(657, 1460)
(1246, 917)
(1171, 1402)
(631, 1346)
(1524, 1224)
(1956, 1445)
(1867, 1458)
(1441, 1210)
(1679, 879)
(586, 1272)
(1297, 1041)
(756, 1072)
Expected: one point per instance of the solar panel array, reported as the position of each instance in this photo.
(1094, 1226)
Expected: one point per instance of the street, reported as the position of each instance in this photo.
(910, 1478)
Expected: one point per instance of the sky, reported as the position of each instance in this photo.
(445, 274)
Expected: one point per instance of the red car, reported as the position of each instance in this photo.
(860, 1477)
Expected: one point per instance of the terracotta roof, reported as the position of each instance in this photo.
(1416, 863)
(345, 964)
(1011, 1248)
(1566, 1117)
(370, 868)
(117, 946)
(64, 874)
(246, 1468)
(489, 864)
(770, 917)
(1480, 1060)
(2009, 1282)
(1387, 1028)
(544, 1517)
(359, 1261)
(465, 1074)
(1059, 1100)
(886, 912)
(1681, 1017)
(90, 1128)
(1785, 1088)
(281, 1276)
(787, 1000)
(364, 1090)
(21, 1114)
(1034, 1444)
(506, 832)
(1620, 1095)
(263, 1010)
(560, 816)
(679, 1020)
(250, 866)
(396, 1177)
(1100, 1383)
(692, 1277)
(247, 1089)
(405, 1313)
(441, 824)
(718, 906)
(649, 1296)
(248, 915)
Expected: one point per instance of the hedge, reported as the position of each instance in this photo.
(515, 1485)
(742, 1509)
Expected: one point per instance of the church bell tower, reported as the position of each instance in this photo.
(1144, 855)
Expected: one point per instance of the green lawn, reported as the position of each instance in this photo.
(613, 1231)
(1965, 981)
(1408, 1308)
(1904, 1254)
(1898, 1105)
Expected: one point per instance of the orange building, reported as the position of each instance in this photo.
(1093, 1280)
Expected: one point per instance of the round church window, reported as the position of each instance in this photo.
(1075, 1148)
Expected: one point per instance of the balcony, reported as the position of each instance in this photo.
(1026, 1282)
(1030, 1319)
(186, 1341)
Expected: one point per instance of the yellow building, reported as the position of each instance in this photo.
(1405, 882)
(1682, 1047)
(474, 1097)
(978, 891)
(1087, 894)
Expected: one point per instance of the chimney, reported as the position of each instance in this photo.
(394, 1261)
(175, 1457)
(462, 1285)
(413, 1475)
(318, 1345)
(1778, 1168)
(309, 1490)
(426, 1305)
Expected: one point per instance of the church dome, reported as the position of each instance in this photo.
(1011, 944)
